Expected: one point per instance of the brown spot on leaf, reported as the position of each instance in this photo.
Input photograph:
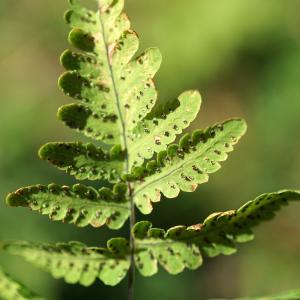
(193, 187)
(196, 226)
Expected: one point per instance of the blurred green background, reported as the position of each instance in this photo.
(244, 57)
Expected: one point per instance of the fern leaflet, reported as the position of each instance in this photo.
(79, 205)
(75, 262)
(177, 248)
(182, 246)
(184, 166)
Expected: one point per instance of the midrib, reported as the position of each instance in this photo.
(173, 171)
(115, 91)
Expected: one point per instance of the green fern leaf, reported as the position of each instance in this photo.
(79, 205)
(107, 45)
(75, 262)
(182, 246)
(115, 103)
(155, 133)
(116, 98)
(116, 93)
(85, 161)
(155, 245)
(184, 166)
(11, 289)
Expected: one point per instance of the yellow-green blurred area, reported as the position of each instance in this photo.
(244, 57)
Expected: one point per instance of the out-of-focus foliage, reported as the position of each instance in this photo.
(244, 56)
(10, 289)
(290, 295)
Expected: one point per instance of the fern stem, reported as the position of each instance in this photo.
(131, 275)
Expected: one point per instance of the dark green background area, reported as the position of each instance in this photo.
(244, 57)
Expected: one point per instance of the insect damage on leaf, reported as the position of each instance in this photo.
(75, 262)
(184, 166)
(79, 205)
(183, 247)
(132, 148)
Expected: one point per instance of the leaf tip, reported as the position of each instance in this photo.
(141, 229)
(14, 199)
(43, 152)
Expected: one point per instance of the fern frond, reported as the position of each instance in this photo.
(79, 205)
(116, 98)
(182, 246)
(102, 75)
(75, 262)
(184, 166)
(116, 93)
(85, 161)
(10, 289)
(115, 103)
